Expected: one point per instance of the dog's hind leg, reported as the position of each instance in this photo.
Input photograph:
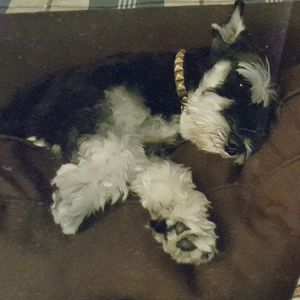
(101, 176)
(179, 213)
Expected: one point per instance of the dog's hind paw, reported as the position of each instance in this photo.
(179, 216)
(185, 244)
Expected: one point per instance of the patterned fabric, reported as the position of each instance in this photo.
(23, 6)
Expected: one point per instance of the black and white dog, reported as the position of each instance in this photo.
(113, 120)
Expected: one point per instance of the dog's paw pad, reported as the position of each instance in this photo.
(184, 244)
(180, 228)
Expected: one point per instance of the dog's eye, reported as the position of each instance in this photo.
(234, 146)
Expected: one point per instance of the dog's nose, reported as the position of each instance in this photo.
(160, 226)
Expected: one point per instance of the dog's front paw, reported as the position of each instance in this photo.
(193, 244)
(81, 190)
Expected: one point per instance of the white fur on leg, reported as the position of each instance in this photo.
(131, 116)
(168, 193)
(101, 176)
(106, 165)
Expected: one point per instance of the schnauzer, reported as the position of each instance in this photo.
(115, 123)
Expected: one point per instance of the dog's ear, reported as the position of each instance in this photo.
(230, 31)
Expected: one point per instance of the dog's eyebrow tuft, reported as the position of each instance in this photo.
(258, 75)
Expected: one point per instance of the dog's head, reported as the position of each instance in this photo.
(231, 110)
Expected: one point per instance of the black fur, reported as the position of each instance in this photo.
(62, 106)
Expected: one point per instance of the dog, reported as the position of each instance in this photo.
(117, 122)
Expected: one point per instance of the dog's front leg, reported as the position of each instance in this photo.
(179, 216)
(106, 165)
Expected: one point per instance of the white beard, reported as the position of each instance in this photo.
(201, 120)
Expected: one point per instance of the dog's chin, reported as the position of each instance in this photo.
(207, 134)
